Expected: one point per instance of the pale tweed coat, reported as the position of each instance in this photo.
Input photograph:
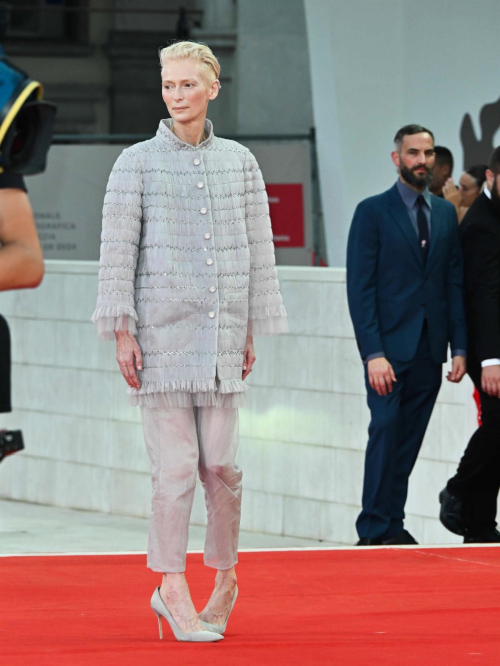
(187, 264)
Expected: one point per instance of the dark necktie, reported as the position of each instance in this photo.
(423, 228)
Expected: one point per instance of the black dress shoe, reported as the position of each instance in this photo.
(367, 541)
(404, 538)
(488, 536)
(451, 513)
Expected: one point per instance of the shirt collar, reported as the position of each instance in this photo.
(165, 134)
(410, 197)
(487, 192)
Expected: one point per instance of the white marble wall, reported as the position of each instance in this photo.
(302, 439)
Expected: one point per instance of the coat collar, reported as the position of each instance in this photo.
(401, 216)
(165, 134)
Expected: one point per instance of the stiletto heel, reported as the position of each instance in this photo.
(221, 628)
(160, 610)
(160, 628)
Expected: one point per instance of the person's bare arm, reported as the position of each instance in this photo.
(21, 259)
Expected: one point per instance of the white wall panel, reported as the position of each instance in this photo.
(302, 437)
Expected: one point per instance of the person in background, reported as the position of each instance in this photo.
(471, 184)
(469, 501)
(443, 169)
(405, 293)
(21, 267)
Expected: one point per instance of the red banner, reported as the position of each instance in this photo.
(286, 206)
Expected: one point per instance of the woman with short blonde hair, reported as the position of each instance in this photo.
(187, 279)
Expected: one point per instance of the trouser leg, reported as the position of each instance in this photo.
(380, 460)
(218, 438)
(418, 397)
(477, 480)
(172, 445)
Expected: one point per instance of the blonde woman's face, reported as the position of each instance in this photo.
(185, 91)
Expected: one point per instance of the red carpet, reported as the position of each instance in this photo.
(349, 607)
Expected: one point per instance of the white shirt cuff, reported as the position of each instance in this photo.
(490, 361)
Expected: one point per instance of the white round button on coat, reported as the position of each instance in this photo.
(203, 211)
(196, 162)
(200, 185)
(212, 290)
(211, 315)
(210, 262)
(206, 236)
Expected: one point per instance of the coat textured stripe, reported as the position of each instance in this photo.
(187, 261)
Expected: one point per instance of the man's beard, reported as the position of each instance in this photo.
(410, 177)
(495, 196)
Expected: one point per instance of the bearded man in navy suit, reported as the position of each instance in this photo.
(405, 292)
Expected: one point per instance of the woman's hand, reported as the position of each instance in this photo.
(248, 357)
(451, 193)
(129, 357)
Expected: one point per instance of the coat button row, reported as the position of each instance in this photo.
(210, 262)
(212, 290)
(197, 162)
(211, 315)
(200, 185)
(206, 236)
(203, 211)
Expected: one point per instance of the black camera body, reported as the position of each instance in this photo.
(11, 441)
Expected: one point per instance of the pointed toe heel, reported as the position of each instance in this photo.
(221, 628)
(160, 610)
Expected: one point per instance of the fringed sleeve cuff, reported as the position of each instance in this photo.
(269, 320)
(108, 320)
(272, 326)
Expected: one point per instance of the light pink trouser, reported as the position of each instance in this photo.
(180, 443)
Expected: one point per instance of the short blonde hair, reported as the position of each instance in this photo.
(196, 51)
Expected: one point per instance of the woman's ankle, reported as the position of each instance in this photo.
(226, 577)
(173, 582)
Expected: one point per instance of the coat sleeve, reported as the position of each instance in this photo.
(455, 287)
(482, 264)
(120, 238)
(267, 314)
(362, 264)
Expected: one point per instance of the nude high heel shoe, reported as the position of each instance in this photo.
(221, 628)
(160, 610)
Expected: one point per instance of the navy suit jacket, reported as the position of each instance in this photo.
(389, 289)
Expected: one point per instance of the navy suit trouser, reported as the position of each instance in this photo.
(396, 432)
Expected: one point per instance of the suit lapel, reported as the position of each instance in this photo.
(400, 214)
(436, 229)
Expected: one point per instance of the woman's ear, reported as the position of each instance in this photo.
(214, 89)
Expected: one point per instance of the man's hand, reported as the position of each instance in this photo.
(128, 355)
(381, 375)
(458, 370)
(490, 380)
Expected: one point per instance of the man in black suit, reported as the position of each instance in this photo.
(469, 501)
